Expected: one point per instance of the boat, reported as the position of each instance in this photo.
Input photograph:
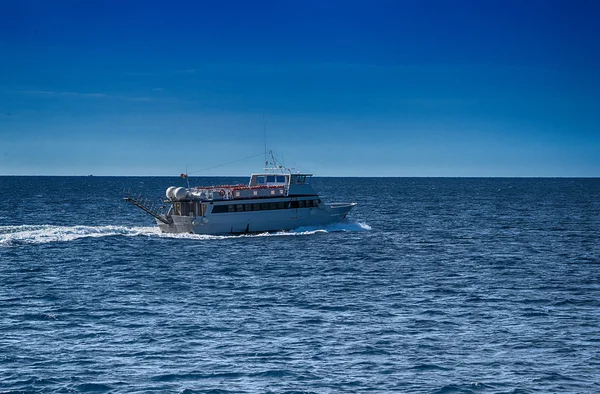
(274, 200)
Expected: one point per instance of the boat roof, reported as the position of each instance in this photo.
(280, 173)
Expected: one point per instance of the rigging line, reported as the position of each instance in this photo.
(225, 164)
(273, 155)
(295, 165)
(280, 156)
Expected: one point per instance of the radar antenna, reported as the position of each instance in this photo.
(265, 135)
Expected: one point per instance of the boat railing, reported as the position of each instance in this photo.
(151, 208)
(234, 192)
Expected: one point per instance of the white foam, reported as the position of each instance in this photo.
(46, 233)
(39, 234)
(309, 230)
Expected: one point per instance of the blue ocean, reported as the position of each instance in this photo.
(432, 285)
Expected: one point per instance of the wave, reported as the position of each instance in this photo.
(40, 234)
(333, 228)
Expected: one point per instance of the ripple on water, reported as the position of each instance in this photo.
(453, 286)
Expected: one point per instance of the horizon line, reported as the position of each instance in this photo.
(321, 176)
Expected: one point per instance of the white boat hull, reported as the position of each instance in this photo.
(253, 222)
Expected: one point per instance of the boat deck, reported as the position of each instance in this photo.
(236, 192)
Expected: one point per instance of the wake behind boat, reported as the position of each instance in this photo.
(274, 200)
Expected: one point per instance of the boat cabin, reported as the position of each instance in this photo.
(295, 184)
(279, 179)
(269, 180)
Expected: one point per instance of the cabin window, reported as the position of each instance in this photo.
(260, 180)
(280, 179)
(270, 178)
(267, 206)
(300, 179)
(220, 208)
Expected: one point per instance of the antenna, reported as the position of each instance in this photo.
(187, 178)
(265, 133)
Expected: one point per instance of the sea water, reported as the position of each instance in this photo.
(430, 286)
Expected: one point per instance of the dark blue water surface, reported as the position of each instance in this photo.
(432, 286)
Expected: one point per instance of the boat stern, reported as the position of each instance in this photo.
(178, 224)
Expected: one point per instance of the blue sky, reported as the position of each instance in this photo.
(347, 88)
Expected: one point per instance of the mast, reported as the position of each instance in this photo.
(265, 137)
(187, 178)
